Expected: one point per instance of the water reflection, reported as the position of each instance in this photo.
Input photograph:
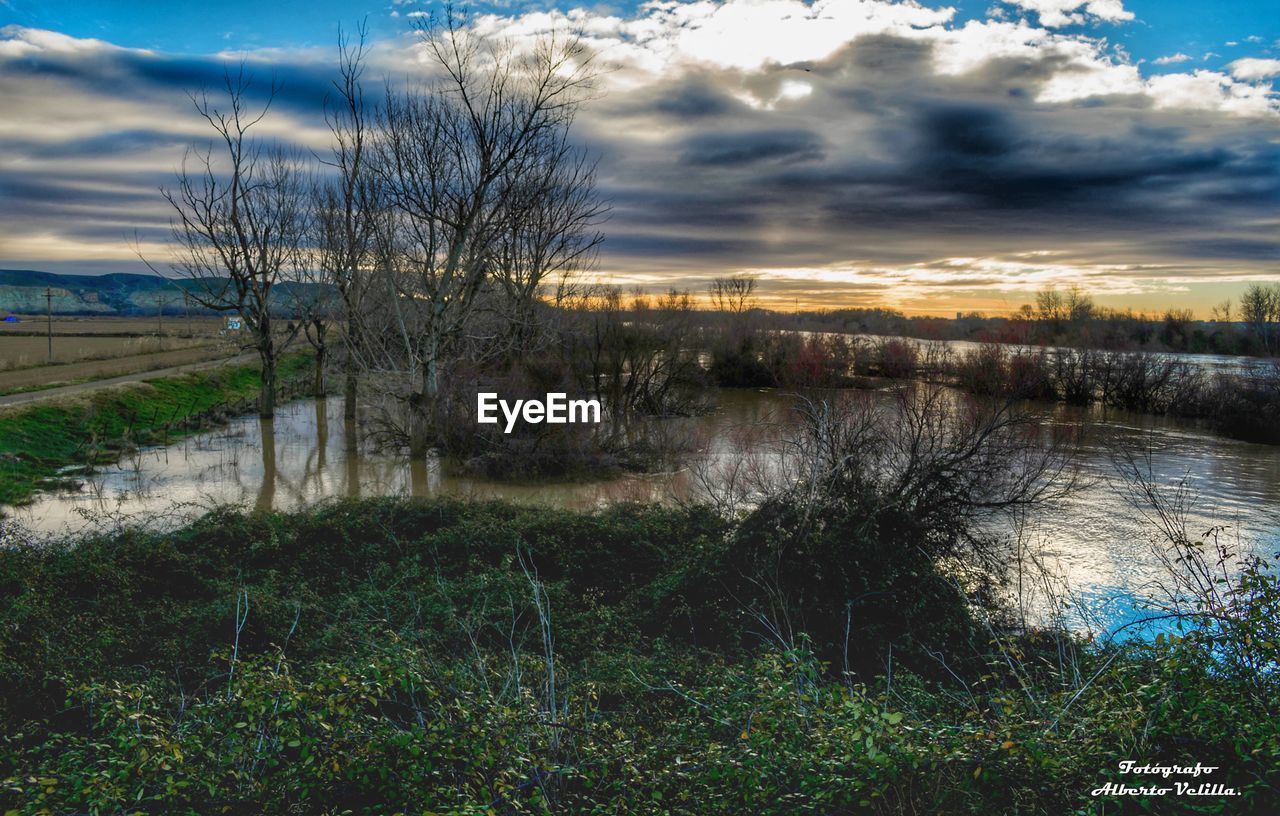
(1093, 542)
(1232, 364)
(267, 442)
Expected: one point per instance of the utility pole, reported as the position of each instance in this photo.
(159, 315)
(48, 313)
(186, 305)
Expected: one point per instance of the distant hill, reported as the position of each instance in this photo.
(118, 294)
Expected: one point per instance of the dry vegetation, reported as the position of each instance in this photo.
(31, 352)
(100, 347)
(113, 326)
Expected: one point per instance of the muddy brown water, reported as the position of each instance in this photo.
(1097, 549)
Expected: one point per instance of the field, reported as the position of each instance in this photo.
(92, 348)
(109, 326)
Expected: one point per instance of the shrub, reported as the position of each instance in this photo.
(1248, 406)
(896, 358)
(392, 657)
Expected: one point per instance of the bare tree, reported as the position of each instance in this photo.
(1222, 312)
(551, 236)
(240, 220)
(636, 358)
(948, 461)
(1078, 305)
(456, 157)
(733, 295)
(1051, 308)
(349, 205)
(1260, 308)
(315, 307)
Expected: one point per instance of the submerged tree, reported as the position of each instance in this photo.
(241, 215)
(349, 210)
(475, 166)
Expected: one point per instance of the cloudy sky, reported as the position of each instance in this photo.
(848, 152)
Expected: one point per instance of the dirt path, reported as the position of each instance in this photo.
(137, 376)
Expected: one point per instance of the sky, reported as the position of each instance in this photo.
(923, 156)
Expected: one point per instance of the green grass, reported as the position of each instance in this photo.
(36, 442)
(388, 656)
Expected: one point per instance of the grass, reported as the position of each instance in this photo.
(39, 441)
(388, 656)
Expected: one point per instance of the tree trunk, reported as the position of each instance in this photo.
(322, 433)
(423, 409)
(351, 371)
(352, 459)
(349, 390)
(419, 478)
(317, 384)
(419, 426)
(267, 490)
(350, 411)
(267, 389)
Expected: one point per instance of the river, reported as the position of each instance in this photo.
(1093, 543)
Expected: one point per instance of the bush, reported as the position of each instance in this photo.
(1248, 406)
(740, 363)
(995, 371)
(392, 657)
(856, 584)
(896, 358)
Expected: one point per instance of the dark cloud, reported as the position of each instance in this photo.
(663, 247)
(736, 149)
(110, 143)
(991, 160)
(137, 75)
(1228, 248)
(965, 134)
(888, 161)
(694, 97)
(109, 128)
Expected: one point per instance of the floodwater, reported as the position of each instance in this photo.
(1094, 545)
(1229, 364)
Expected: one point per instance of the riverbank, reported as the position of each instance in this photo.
(1241, 401)
(44, 444)
(393, 656)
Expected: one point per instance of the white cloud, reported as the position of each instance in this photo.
(1174, 59)
(18, 41)
(792, 89)
(1093, 78)
(1210, 90)
(1057, 13)
(743, 34)
(1251, 68)
(748, 35)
